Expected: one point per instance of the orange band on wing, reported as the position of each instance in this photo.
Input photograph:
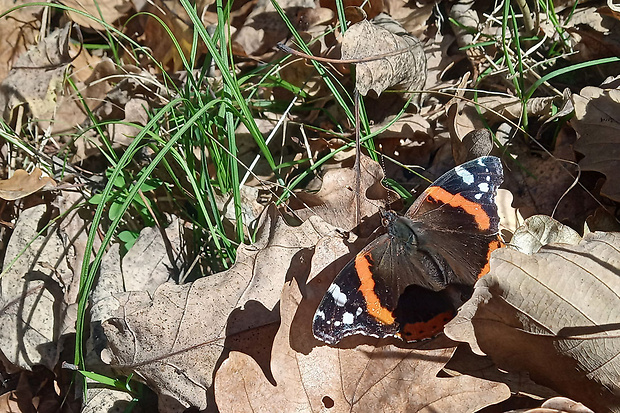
(458, 201)
(493, 245)
(426, 329)
(367, 288)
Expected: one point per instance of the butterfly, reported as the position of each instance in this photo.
(409, 282)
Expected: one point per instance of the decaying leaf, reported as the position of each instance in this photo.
(553, 314)
(37, 76)
(18, 31)
(22, 184)
(304, 375)
(175, 341)
(539, 230)
(39, 287)
(264, 27)
(380, 36)
(597, 123)
(107, 10)
(337, 205)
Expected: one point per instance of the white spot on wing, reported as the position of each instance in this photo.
(358, 311)
(488, 178)
(339, 298)
(478, 195)
(337, 323)
(347, 318)
(465, 175)
(320, 314)
(484, 187)
(480, 162)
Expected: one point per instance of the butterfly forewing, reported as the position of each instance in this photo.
(457, 217)
(353, 303)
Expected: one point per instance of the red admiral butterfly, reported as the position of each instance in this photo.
(409, 282)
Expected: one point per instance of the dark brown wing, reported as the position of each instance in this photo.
(409, 282)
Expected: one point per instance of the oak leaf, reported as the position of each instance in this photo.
(384, 35)
(304, 375)
(553, 314)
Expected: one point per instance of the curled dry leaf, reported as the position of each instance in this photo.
(384, 35)
(509, 217)
(22, 184)
(304, 375)
(563, 404)
(539, 230)
(597, 121)
(553, 314)
(175, 340)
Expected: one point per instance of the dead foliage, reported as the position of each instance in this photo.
(197, 329)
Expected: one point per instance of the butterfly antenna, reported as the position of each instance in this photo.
(389, 199)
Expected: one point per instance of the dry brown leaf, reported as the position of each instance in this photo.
(553, 314)
(9, 402)
(304, 375)
(264, 28)
(107, 10)
(464, 118)
(103, 399)
(412, 16)
(128, 102)
(18, 31)
(597, 122)
(561, 405)
(150, 262)
(175, 341)
(465, 362)
(602, 219)
(594, 34)
(39, 290)
(539, 230)
(70, 110)
(336, 201)
(37, 77)
(22, 184)
(157, 38)
(509, 218)
(407, 70)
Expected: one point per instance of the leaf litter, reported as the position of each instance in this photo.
(540, 324)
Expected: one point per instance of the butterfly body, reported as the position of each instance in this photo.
(409, 282)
